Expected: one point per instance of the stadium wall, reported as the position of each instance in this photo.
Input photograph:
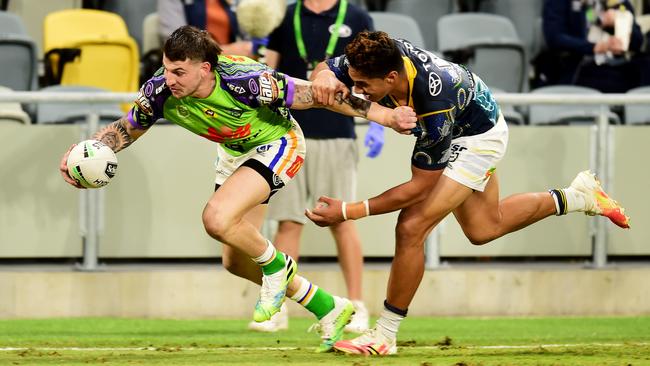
(212, 292)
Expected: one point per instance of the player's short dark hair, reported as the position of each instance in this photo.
(188, 42)
(374, 54)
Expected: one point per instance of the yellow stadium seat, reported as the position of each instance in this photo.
(90, 48)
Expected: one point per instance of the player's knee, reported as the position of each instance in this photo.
(479, 237)
(216, 223)
(408, 232)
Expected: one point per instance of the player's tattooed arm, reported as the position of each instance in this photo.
(401, 119)
(346, 104)
(360, 106)
(118, 135)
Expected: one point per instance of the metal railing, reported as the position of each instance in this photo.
(92, 200)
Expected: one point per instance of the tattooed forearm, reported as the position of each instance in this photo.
(359, 105)
(115, 135)
(304, 94)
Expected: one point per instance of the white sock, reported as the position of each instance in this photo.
(575, 200)
(388, 324)
(268, 254)
(305, 292)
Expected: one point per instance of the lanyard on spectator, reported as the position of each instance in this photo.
(334, 37)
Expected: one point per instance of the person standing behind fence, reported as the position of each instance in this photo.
(313, 30)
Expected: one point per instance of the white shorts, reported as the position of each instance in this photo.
(283, 158)
(473, 159)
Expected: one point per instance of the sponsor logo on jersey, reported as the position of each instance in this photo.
(435, 84)
(224, 133)
(253, 86)
(182, 110)
(268, 88)
(235, 112)
(143, 104)
(160, 88)
(236, 88)
(344, 30)
(148, 89)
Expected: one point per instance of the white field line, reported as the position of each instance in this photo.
(132, 349)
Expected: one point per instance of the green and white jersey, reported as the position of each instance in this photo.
(248, 107)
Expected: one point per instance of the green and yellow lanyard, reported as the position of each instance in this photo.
(334, 36)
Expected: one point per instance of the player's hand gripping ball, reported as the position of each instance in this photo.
(92, 163)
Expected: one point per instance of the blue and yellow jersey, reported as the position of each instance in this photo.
(248, 107)
(449, 100)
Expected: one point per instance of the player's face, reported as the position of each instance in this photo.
(183, 77)
(374, 89)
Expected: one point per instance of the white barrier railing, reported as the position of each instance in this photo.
(92, 200)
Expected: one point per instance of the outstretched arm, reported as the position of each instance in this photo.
(117, 135)
(330, 211)
(401, 119)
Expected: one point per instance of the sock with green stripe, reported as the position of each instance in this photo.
(567, 200)
(318, 301)
(271, 261)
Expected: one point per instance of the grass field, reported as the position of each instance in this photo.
(423, 341)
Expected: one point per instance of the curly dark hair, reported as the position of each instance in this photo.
(374, 54)
(188, 42)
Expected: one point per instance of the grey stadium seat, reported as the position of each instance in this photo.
(488, 44)
(398, 26)
(18, 54)
(523, 14)
(133, 13)
(426, 13)
(75, 111)
(638, 113)
(564, 113)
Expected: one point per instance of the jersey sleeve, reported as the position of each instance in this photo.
(340, 66)
(258, 86)
(148, 105)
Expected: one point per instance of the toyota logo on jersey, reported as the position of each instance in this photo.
(435, 84)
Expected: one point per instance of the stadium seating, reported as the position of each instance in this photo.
(426, 13)
(90, 48)
(11, 111)
(74, 111)
(398, 26)
(523, 14)
(488, 44)
(638, 113)
(566, 114)
(18, 55)
(133, 13)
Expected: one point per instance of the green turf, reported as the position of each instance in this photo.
(423, 341)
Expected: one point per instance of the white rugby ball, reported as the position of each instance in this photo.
(92, 163)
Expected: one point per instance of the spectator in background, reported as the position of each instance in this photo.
(215, 16)
(313, 30)
(583, 48)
